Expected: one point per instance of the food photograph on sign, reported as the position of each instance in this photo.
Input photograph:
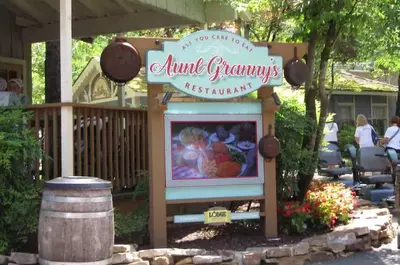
(213, 150)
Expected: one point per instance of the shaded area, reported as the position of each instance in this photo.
(236, 236)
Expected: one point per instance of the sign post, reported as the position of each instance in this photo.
(210, 152)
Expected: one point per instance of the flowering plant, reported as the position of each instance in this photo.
(297, 214)
(330, 203)
(326, 204)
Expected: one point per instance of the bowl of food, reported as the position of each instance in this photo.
(190, 158)
(246, 145)
(194, 138)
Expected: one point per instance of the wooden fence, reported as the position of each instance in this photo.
(109, 142)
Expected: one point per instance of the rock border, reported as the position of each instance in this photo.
(370, 227)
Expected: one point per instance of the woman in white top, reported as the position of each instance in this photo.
(331, 130)
(363, 136)
(392, 135)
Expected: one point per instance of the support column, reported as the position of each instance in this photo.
(158, 207)
(269, 206)
(28, 72)
(67, 139)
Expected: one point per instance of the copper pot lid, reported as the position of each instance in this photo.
(120, 61)
(269, 146)
(295, 71)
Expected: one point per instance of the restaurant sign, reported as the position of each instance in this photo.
(214, 65)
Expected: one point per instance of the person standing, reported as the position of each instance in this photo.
(364, 131)
(392, 135)
(331, 132)
(16, 85)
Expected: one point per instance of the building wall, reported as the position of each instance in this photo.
(378, 109)
(10, 36)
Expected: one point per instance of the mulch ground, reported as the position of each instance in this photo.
(235, 236)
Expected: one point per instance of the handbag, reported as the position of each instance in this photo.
(374, 136)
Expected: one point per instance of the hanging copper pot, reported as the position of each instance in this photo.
(269, 146)
(120, 61)
(295, 71)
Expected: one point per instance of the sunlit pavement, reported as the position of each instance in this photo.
(385, 255)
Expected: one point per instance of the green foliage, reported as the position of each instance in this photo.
(291, 124)
(19, 199)
(346, 136)
(294, 216)
(132, 225)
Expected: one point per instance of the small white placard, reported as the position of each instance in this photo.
(4, 98)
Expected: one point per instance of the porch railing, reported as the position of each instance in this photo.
(109, 142)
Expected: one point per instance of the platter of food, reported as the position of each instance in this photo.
(211, 152)
(194, 138)
(222, 161)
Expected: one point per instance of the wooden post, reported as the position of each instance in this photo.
(28, 71)
(121, 95)
(269, 207)
(67, 132)
(158, 207)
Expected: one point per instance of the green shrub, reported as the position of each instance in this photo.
(291, 124)
(330, 203)
(346, 136)
(326, 205)
(19, 198)
(134, 225)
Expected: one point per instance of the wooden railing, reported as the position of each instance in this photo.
(109, 142)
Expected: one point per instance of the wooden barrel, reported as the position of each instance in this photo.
(76, 223)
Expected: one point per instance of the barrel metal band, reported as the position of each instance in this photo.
(49, 262)
(76, 215)
(51, 198)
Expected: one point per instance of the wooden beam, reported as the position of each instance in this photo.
(30, 10)
(94, 7)
(144, 44)
(126, 6)
(54, 4)
(107, 25)
(24, 22)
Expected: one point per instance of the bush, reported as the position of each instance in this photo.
(19, 198)
(134, 225)
(291, 124)
(346, 136)
(326, 205)
(330, 203)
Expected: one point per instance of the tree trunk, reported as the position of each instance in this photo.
(311, 110)
(398, 96)
(52, 73)
(323, 67)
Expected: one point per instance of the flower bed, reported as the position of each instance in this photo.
(370, 227)
(326, 205)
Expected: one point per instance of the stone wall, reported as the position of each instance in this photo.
(370, 227)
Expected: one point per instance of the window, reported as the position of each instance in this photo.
(345, 113)
(379, 118)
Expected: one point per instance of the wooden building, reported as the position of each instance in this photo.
(90, 133)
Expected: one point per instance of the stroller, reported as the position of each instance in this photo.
(330, 155)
